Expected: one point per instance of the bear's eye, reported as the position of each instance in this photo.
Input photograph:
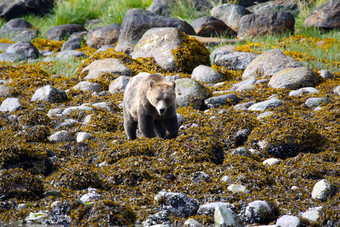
(167, 100)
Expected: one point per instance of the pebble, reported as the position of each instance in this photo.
(237, 188)
(271, 161)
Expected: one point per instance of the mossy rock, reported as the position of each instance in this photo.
(77, 177)
(20, 184)
(103, 213)
(287, 136)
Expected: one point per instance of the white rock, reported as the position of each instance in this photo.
(312, 214)
(192, 223)
(88, 197)
(288, 221)
(322, 189)
(10, 105)
(61, 136)
(118, 85)
(36, 216)
(49, 94)
(83, 136)
(271, 161)
(265, 115)
(224, 216)
(225, 178)
(87, 86)
(237, 188)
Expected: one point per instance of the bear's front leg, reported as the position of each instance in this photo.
(146, 126)
(130, 127)
(171, 125)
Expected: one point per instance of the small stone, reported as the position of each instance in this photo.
(5, 91)
(242, 151)
(258, 211)
(294, 187)
(312, 214)
(322, 190)
(76, 109)
(118, 85)
(49, 94)
(265, 115)
(337, 90)
(305, 90)
(33, 217)
(224, 216)
(237, 188)
(225, 178)
(88, 197)
(205, 74)
(10, 105)
(288, 221)
(22, 206)
(271, 161)
(315, 102)
(326, 74)
(83, 136)
(192, 223)
(67, 54)
(229, 99)
(87, 86)
(61, 136)
(209, 208)
(200, 176)
(269, 104)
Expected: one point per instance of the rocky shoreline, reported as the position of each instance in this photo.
(258, 141)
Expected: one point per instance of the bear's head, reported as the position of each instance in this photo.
(161, 95)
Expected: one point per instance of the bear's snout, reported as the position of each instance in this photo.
(161, 111)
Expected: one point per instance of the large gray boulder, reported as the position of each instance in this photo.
(284, 6)
(137, 21)
(294, 78)
(10, 9)
(160, 44)
(190, 93)
(325, 16)
(49, 94)
(266, 23)
(62, 32)
(23, 50)
(230, 14)
(268, 63)
(234, 60)
(101, 36)
(211, 26)
(18, 30)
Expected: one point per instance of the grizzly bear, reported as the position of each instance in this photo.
(149, 103)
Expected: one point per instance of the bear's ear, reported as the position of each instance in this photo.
(173, 84)
(151, 83)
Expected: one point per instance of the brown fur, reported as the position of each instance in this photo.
(149, 103)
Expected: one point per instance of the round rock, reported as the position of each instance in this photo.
(205, 74)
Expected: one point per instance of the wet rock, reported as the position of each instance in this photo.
(293, 78)
(230, 14)
(62, 32)
(34, 218)
(190, 93)
(107, 65)
(229, 99)
(268, 63)
(5, 91)
(15, 9)
(326, 74)
(209, 26)
(118, 85)
(315, 102)
(87, 86)
(67, 54)
(271, 161)
(234, 60)
(83, 136)
(265, 105)
(258, 211)
(101, 36)
(325, 16)
(178, 204)
(266, 23)
(243, 106)
(303, 91)
(72, 44)
(89, 197)
(49, 94)
(200, 176)
(322, 190)
(224, 216)
(161, 218)
(192, 223)
(209, 208)
(61, 136)
(284, 6)
(288, 221)
(205, 74)
(237, 188)
(10, 105)
(18, 30)
(23, 50)
(160, 7)
(71, 109)
(137, 21)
